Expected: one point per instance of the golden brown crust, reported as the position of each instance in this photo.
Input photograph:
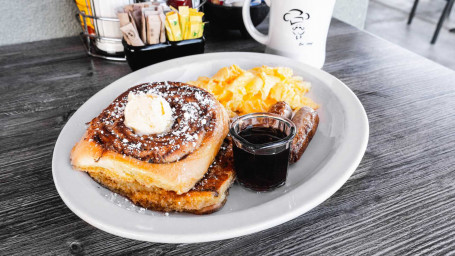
(207, 196)
(179, 176)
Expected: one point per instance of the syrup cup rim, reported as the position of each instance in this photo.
(264, 146)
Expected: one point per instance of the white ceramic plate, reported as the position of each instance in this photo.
(328, 162)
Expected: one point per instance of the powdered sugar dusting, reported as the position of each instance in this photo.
(192, 108)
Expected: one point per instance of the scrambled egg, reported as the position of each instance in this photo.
(255, 90)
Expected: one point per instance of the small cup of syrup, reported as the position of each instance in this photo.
(261, 149)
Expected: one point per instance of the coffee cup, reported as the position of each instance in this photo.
(297, 29)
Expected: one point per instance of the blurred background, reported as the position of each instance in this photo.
(389, 19)
(48, 19)
(27, 21)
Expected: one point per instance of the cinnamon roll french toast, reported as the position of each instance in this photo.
(156, 144)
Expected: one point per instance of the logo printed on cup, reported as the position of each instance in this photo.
(297, 19)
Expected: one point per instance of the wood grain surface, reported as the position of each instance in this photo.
(400, 201)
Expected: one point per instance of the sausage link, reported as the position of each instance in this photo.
(306, 121)
(281, 108)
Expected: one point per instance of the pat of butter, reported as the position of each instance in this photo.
(148, 114)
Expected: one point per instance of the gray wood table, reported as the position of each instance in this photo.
(400, 200)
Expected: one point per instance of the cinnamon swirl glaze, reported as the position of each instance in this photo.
(195, 117)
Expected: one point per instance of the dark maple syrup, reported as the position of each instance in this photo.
(261, 172)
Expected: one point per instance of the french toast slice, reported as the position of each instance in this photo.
(108, 146)
(207, 196)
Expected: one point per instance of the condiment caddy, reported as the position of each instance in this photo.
(148, 32)
(142, 56)
(164, 36)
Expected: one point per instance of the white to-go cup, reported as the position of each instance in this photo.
(297, 29)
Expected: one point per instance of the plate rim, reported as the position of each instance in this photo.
(185, 238)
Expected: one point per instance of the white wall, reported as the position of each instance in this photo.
(353, 12)
(33, 20)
